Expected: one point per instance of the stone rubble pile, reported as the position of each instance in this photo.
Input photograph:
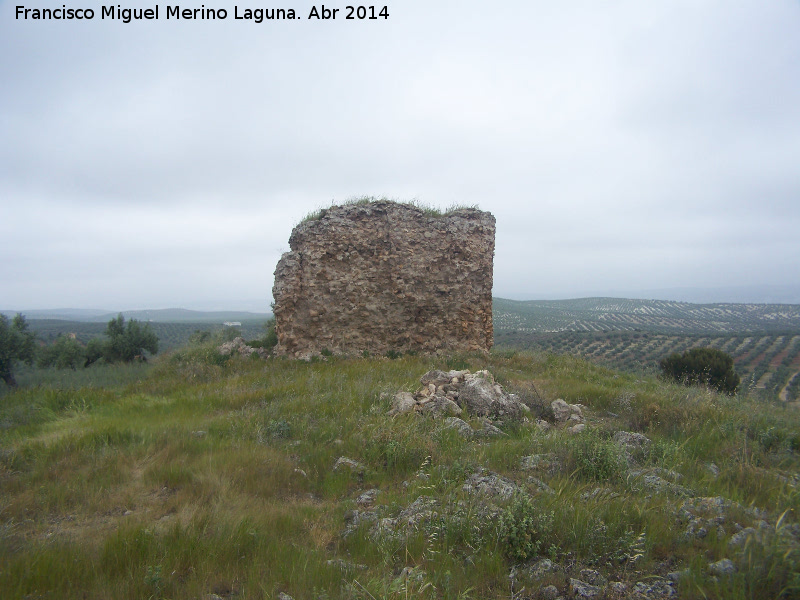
(449, 394)
(569, 416)
(239, 345)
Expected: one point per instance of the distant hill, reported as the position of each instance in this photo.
(742, 294)
(166, 315)
(170, 334)
(182, 315)
(64, 314)
(531, 316)
(758, 294)
(662, 316)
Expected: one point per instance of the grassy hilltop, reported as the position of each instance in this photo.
(211, 477)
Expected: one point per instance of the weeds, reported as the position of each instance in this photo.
(594, 458)
(206, 476)
(428, 211)
(523, 528)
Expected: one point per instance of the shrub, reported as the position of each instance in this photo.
(523, 527)
(199, 337)
(271, 336)
(125, 343)
(702, 366)
(594, 458)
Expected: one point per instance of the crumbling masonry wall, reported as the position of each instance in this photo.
(384, 276)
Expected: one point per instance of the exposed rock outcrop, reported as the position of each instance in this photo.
(383, 277)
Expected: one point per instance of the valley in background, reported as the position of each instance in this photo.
(624, 334)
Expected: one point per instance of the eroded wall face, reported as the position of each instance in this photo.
(384, 277)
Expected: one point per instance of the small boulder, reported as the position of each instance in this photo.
(654, 483)
(368, 498)
(561, 410)
(419, 511)
(722, 567)
(344, 565)
(593, 577)
(740, 538)
(402, 402)
(582, 589)
(542, 568)
(489, 483)
(654, 590)
(344, 462)
(437, 405)
(356, 518)
(541, 486)
(436, 378)
(489, 430)
(628, 439)
(618, 587)
(549, 592)
(459, 425)
(481, 396)
(543, 463)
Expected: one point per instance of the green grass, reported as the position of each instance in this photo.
(429, 211)
(97, 376)
(199, 475)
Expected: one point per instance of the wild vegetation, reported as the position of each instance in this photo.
(171, 335)
(207, 476)
(123, 342)
(702, 366)
(428, 210)
(16, 345)
(636, 335)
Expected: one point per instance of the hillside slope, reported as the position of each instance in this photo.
(658, 316)
(214, 477)
(634, 335)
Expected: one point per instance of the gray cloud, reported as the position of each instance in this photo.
(625, 146)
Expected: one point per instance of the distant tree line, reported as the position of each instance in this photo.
(124, 342)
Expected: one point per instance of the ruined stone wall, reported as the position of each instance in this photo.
(384, 276)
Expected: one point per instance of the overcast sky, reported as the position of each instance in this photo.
(622, 146)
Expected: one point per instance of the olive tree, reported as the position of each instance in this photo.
(64, 353)
(16, 344)
(126, 342)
